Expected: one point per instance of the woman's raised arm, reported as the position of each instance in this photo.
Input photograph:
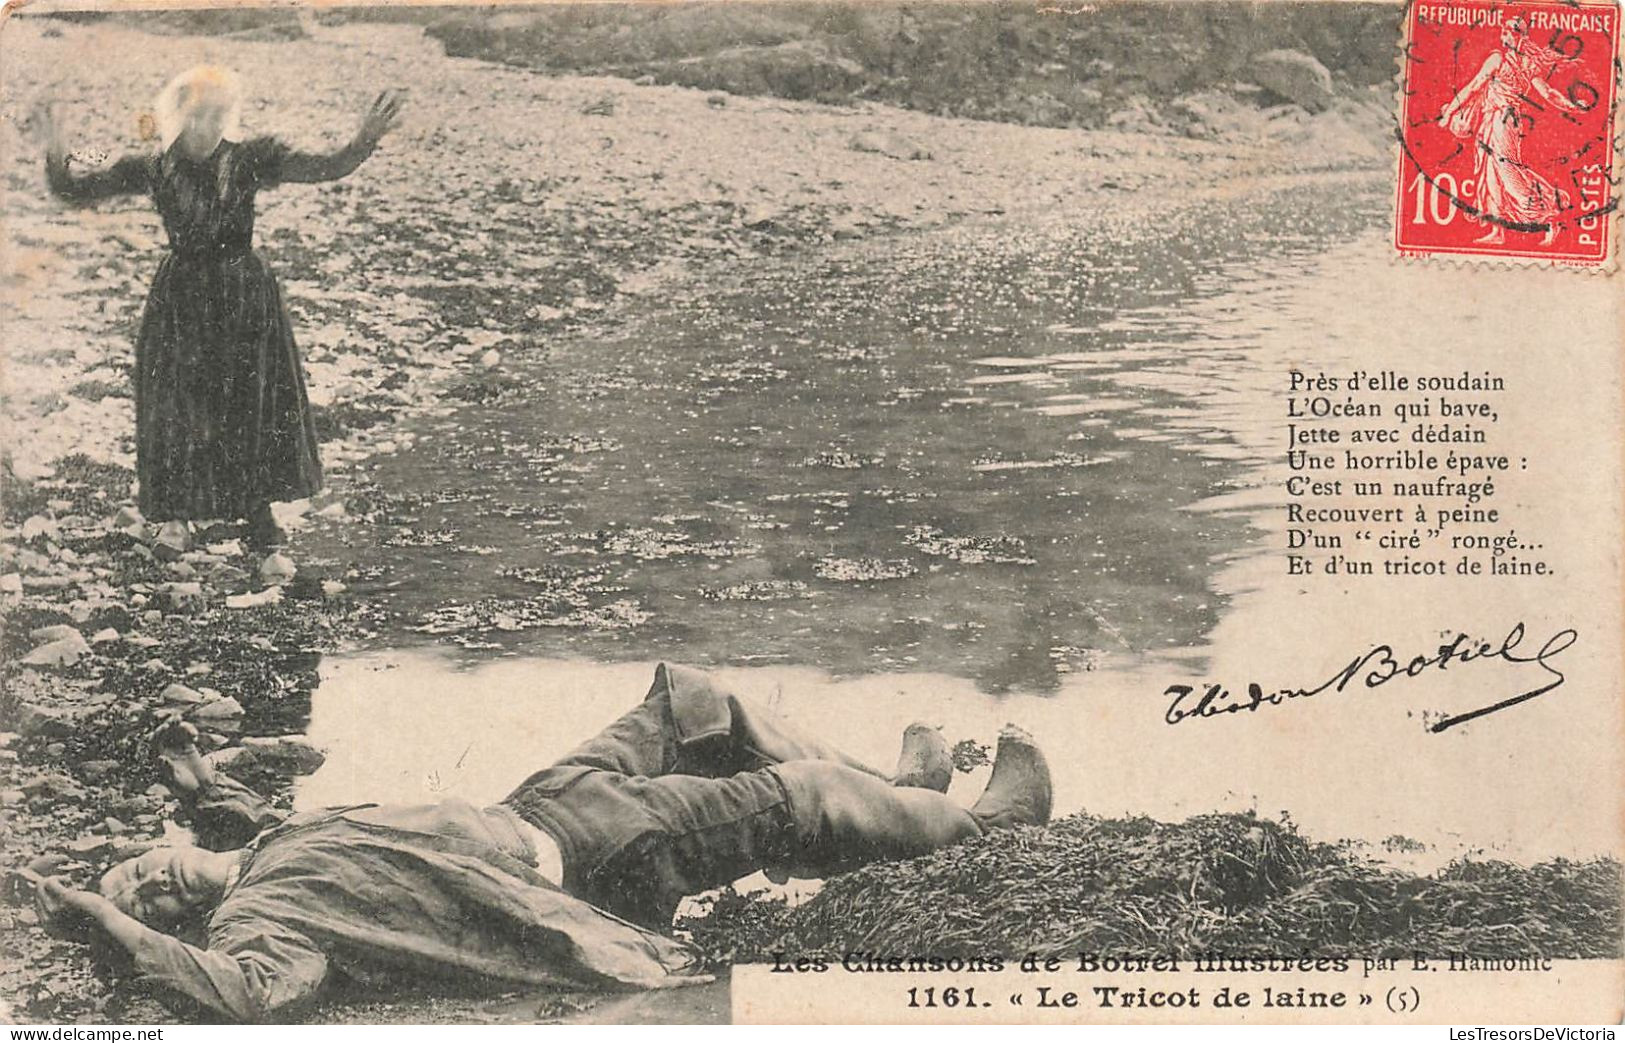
(307, 167)
(128, 176)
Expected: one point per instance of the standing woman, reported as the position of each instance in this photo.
(223, 425)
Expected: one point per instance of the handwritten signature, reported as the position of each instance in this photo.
(1375, 668)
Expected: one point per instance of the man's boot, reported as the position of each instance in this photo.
(1019, 793)
(924, 762)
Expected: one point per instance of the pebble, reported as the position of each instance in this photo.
(277, 568)
(254, 599)
(65, 652)
(184, 597)
(98, 769)
(172, 541)
(90, 846)
(39, 525)
(292, 752)
(58, 632)
(43, 722)
(218, 709)
(180, 695)
(104, 635)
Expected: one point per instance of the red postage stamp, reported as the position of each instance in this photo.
(1507, 124)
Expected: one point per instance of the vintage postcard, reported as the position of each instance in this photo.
(1090, 513)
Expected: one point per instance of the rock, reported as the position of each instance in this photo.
(173, 540)
(184, 597)
(226, 548)
(11, 584)
(10, 798)
(223, 709)
(128, 515)
(37, 526)
(182, 570)
(180, 695)
(332, 510)
(277, 568)
(64, 652)
(90, 846)
(1295, 77)
(1137, 116)
(332, 588)
(290, 753)
(101, 637)
(888, 143)
(228, 757)
(157, 789)
(491, 359)
(58, 632)
(43, 723)
(254, 599)
(95, 771)
(53, 786)
(55, 750)
(114, 827)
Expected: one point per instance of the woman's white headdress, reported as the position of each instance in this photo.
(199, 89)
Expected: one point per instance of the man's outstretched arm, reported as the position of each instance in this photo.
(265, 967)
(225, 813)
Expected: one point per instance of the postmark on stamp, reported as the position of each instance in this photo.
(1506, 130)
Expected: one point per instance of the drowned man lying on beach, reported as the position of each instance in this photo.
(572, 880)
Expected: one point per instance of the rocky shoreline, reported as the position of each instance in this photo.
(468, 241)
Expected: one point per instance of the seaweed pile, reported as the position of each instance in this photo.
(1232, 884)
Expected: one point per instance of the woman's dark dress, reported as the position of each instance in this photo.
(223, 423)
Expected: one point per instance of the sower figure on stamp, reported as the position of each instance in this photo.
(570, 880)
(1495, 111)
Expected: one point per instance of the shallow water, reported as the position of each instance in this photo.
(961, 453)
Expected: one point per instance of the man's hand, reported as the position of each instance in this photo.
(67, 908)
(185, 770)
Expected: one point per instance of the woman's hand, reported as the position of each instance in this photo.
(48, 127)
(380, 117)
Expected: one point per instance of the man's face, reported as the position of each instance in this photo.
(158, 888)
